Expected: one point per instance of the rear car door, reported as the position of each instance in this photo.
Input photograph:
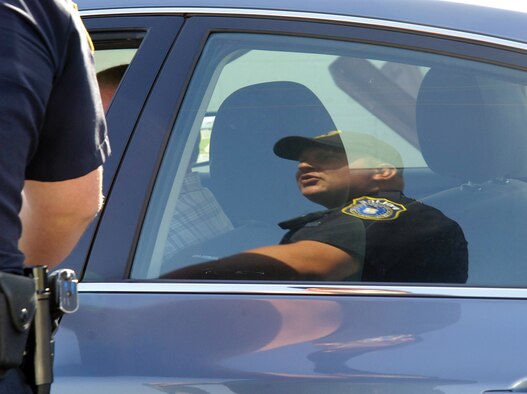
(230, 86)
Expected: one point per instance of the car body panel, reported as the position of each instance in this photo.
(272, 343)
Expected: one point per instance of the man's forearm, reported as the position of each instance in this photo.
(305, 260)
(47, 240)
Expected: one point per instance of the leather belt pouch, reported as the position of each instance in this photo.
(17, 309)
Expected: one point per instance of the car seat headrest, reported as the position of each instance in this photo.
(472, 127)
(247, 177)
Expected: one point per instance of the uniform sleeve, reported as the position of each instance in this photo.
(343, 231)
(73, 140)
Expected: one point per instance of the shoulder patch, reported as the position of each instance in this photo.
(371, 208)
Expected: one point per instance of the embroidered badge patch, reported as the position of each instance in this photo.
(371, 208)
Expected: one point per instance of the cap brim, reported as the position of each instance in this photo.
(292, 147)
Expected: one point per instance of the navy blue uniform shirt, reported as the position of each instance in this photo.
(398, 239)
(52, 124)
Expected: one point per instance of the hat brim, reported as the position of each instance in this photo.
(292, 147)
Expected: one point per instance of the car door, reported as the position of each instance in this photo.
(234, 331)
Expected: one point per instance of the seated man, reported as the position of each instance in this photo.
(369, 230)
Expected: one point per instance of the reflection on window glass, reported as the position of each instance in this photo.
(310, 159)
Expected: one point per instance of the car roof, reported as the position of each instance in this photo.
(501, 19)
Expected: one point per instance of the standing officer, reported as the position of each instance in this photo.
(370, 231)
(52, 136)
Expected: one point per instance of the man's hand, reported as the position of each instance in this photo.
(55, 214)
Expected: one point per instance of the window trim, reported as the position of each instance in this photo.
(303, 289)
(312, 16)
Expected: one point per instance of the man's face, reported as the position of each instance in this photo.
(325, 177)
(107, 91)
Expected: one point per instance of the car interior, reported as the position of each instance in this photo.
(464, 122)
(255, 188)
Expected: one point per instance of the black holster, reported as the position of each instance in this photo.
(55, 294)
(17, 310)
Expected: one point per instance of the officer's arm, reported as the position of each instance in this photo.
(55, 214)
(308, 260)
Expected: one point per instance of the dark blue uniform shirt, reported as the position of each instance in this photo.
(397, 238)
(52, 124)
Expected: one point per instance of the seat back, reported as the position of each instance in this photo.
(474, 128)
(250, 182)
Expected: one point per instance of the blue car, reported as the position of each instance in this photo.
(191, 280)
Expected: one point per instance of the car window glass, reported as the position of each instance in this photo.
(110, 66)
(362, 162)
(114, 51)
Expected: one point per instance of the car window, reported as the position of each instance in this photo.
(111, 64)
(331, 160)
(114, 51)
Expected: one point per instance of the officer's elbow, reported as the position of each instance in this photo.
(88, 199)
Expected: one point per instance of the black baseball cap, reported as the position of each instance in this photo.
(355, 145)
